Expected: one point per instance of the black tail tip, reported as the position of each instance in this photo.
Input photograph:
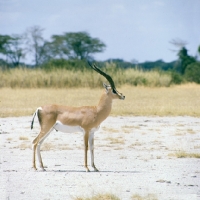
(31, 125)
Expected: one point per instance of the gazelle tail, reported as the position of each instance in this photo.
(35, 113)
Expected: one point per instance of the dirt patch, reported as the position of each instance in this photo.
(135, 155)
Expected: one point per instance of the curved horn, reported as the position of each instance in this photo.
(108, 77)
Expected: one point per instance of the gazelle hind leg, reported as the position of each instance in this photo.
(34, 146)
(36, 143)
(38, 149)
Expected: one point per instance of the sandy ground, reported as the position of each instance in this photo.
(135, 155)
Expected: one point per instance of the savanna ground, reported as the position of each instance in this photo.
(148, 149)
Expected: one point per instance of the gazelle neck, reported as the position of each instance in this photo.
(105, 105)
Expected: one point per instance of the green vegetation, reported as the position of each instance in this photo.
(192, 72)
(71, 45)
(61, 62)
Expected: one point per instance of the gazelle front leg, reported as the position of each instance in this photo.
(85, 139)
(91, 142)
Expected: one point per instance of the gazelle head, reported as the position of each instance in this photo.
(110, 89)
(113, 93)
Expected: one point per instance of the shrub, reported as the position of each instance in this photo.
(192, 72)
(177, 78)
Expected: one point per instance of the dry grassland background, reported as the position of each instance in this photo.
(63, 78)
(143, 101)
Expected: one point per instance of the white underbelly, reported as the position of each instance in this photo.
(67, 129)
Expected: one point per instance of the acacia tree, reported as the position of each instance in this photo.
(11, 48)
(36, 44)
(185, 59)
(78, 45)
(58, 48)
(199, 50)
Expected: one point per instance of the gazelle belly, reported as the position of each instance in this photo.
(66, 128)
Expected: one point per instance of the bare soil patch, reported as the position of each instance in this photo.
(144, 156)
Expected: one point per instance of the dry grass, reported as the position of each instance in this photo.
(183, 154)
(110, 130)
(62, 78)
(147, 197)
(23, 138)
(99, 197)
(124, 130)
(116, 140)
(47, 146)
(24, 146)
(140, 101)
(136, 144)
(129, 129)
(113, 197)
(191, 131)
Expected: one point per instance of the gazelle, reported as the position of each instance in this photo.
(86, 119)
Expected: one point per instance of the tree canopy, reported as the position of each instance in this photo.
(72, 45)
(78, 45)
(11, 48)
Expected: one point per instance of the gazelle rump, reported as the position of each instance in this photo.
(86, 119)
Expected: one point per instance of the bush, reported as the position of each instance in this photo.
(192, 72)
(64, 64)
(177, 78)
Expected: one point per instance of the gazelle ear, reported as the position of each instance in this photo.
(105, 86)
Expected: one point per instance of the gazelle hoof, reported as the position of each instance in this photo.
(96, 170)
(42, 170)
(87, 170)
(34, 168)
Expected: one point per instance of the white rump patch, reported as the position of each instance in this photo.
(67, 129)
(95, 129)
